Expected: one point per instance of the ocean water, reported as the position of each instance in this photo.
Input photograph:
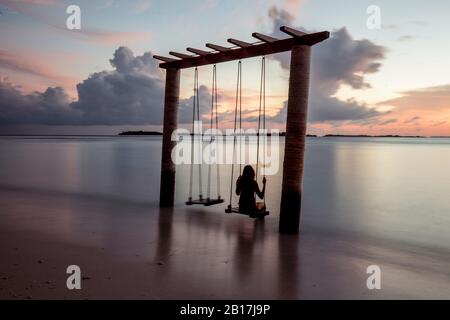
(385, 188)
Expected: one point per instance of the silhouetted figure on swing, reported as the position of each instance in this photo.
(246, 187)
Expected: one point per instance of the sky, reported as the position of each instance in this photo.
(102, 78)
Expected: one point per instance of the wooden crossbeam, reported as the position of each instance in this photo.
(180, 55)
(217, 47)
(239, 43)
(165, 59)
(198, 51)
(292, 32)
(245, 50)
(263, 37)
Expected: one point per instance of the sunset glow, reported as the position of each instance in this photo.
(363, 81)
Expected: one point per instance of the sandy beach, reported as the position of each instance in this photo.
(131, 250)
(143, 144)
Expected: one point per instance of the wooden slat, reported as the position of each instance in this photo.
(165, 59)
(264, 38)
(217, 47)
(239, 43)
(198, 51)
(248, 52)
(179, 55)
(292, 32)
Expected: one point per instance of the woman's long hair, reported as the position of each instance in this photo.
(248, 174)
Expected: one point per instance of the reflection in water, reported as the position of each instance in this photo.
(231, 254)
(164, 240)
(250, 239)
(387, 188)
(365, 201)
(288, 266)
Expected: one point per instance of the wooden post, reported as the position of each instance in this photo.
(291, 194)
(167, 190)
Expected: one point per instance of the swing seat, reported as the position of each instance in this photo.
(196, 201)
(206, 202)
(211, 202)
(260, 211)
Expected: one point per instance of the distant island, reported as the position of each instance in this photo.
(282, 134)
(140, 133)
(156, 133)
(369, 136)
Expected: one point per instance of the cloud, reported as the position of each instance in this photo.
(340, 60)
(87, 34)
(108, 37)
(37, 9)
(293, 4)
(436, 98)
(280, 17)
(50, 107)
(35, 2)
(26, 64)
(105, 4)
(439, 123)
(205, 5)
(131, 94)
(420, 23)
(141, 6)
(405, 38)
(432, 103)
(392, 27)
(186, 105)
(386, 122)
(412, 120)
(127, 95)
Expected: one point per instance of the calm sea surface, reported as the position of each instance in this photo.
(388, 188)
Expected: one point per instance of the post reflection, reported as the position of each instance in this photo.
(288, 266)
(164, 242)
(226, 256)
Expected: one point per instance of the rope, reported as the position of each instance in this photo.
(217, 130)
(262, 107)
(195, 116)
(192, 133)
(238, 103)
(211, 124)
(201, 140)
(264, 123)
(240, 120)
(208, 193)
(259, 120)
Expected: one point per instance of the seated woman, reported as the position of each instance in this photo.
(246, 187)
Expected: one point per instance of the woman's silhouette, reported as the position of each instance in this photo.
(246, 187)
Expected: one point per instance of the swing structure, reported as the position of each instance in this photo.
(299, 44)
(260, 209)
(208, 201)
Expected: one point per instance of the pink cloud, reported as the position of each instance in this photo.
(294, 4)
(18, 65)
(36, 2)
(15, 62)
(105, 37)
(142, 6)
(426, 99)
(429, 107)
(86, 34)
(424, 111)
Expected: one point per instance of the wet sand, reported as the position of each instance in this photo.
(130, 250)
